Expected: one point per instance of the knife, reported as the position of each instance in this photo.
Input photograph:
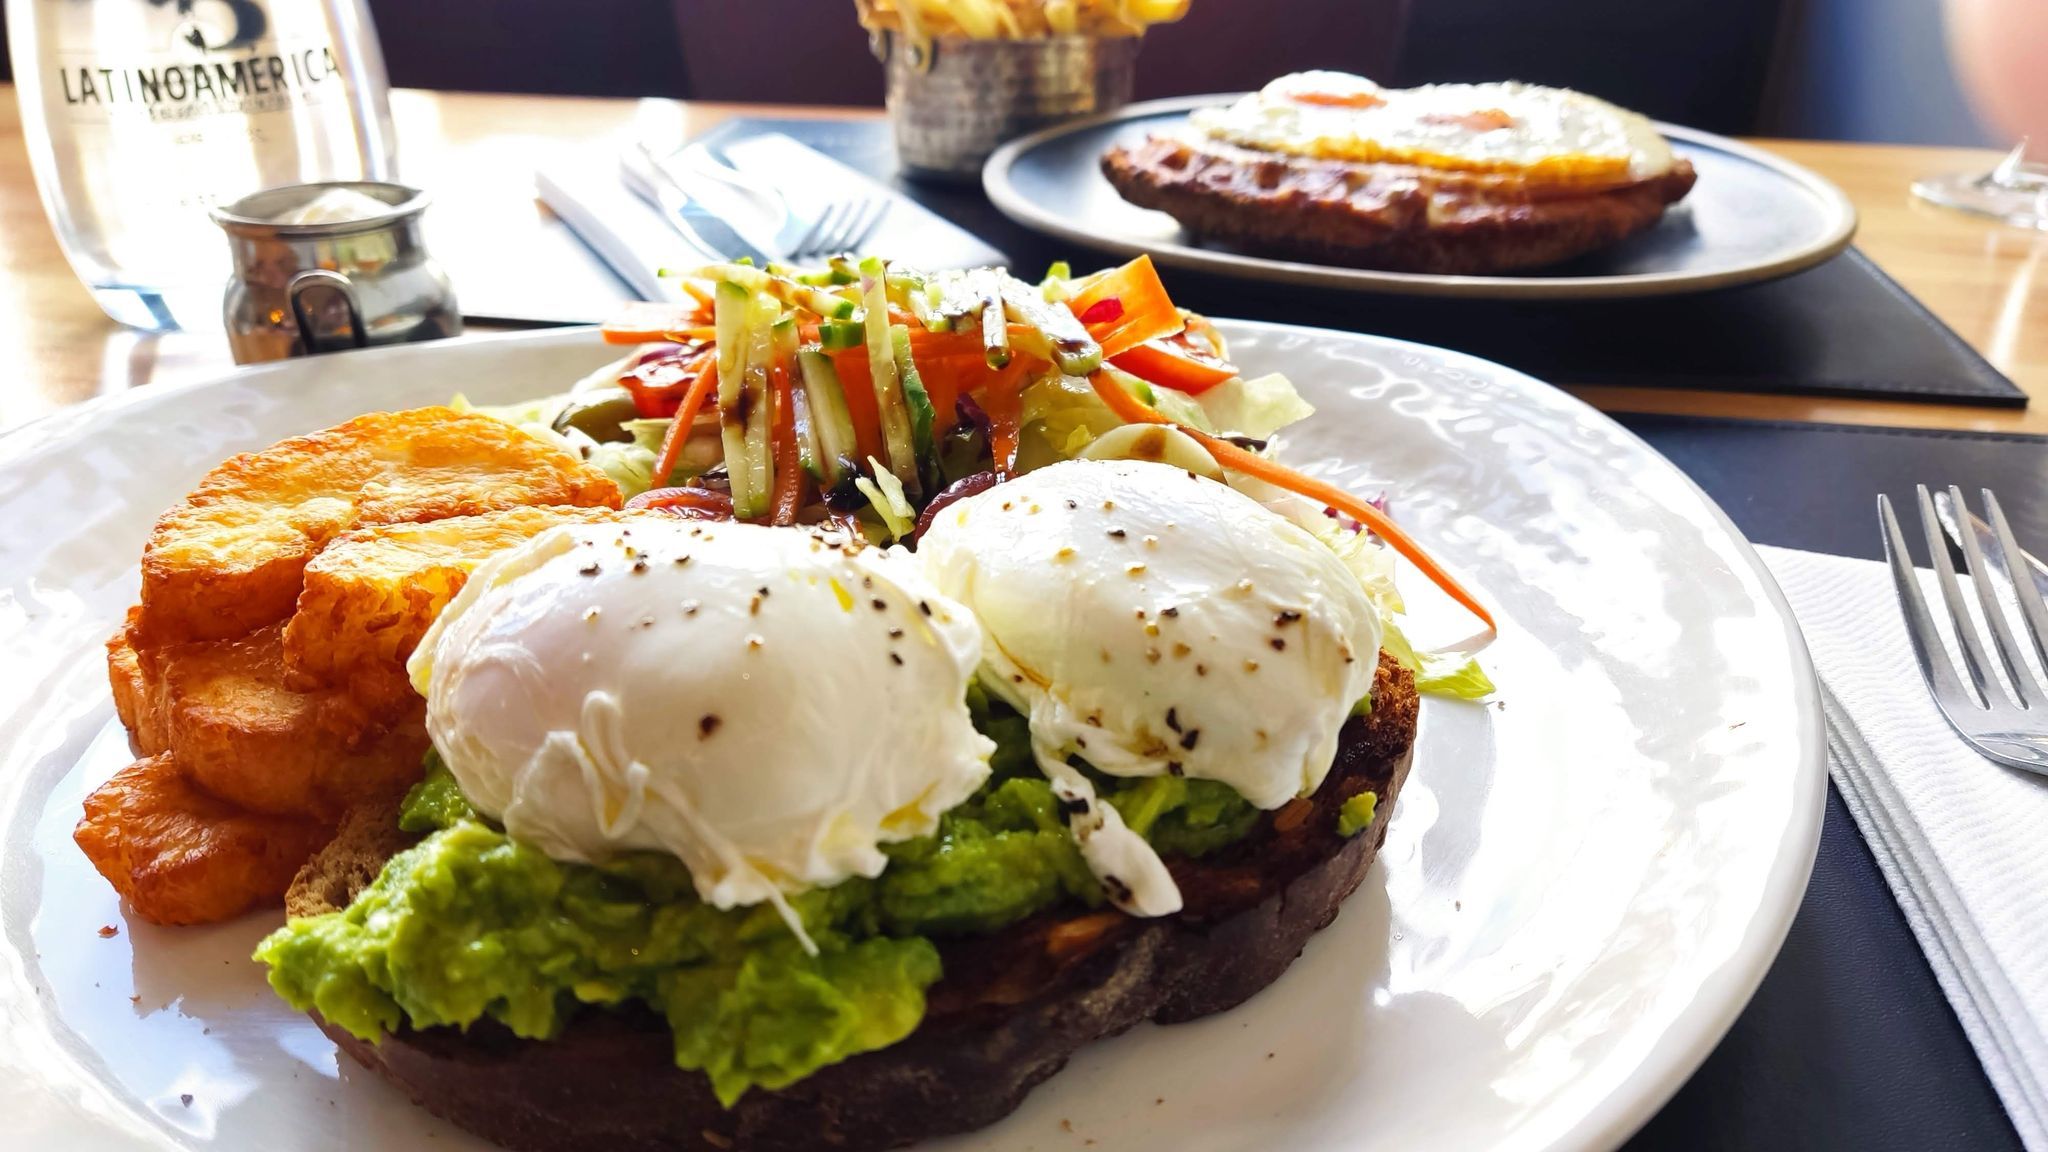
(655, 182)
(1946, 511)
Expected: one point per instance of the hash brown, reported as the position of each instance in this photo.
(181, 856)
(227, 560)
(371, 594)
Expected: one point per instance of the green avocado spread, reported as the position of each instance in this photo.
(470, 924)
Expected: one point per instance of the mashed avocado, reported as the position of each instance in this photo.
(470, 924)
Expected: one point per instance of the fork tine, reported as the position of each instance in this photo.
(1934, 662)
(808, 243)
(1975, 661)
(876, 211)
(849, 234)
(2024, 688)
(2023, 590)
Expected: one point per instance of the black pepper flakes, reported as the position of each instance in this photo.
(895, 633)
(590, 569)
(1170, 610)
(1173, 768)
(640, 565)
(1071, 505)
(896, 659)
(1188, 738)
(706, 725)
(880, 604)
(1284, 617)
(1116, 533)
(925, 607)
(1278, 644)
(1173, 719)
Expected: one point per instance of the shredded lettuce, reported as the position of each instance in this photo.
(885, 495)
(1256, 408)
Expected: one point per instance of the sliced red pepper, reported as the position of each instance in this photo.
(1176, 362)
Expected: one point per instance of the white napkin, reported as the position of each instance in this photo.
(1962, 841)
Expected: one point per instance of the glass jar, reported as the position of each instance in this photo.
(141, 115)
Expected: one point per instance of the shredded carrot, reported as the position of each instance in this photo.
(1004, 403)
(700, 291)
(686, 414)
(1134, 411)
(1143, 309)
(789, 477)
(644, 322)
(858, 386)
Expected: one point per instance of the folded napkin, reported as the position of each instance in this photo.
(1959, 838)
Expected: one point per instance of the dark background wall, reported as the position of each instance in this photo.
(1850, 69)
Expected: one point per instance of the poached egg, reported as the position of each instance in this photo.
(1552, 135)
(767, 704)
(1151, 621)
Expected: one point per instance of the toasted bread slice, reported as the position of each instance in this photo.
(227, 559)
(222, 708)
(1012, 1007)
(180, 856)
(335, 875)
(372, 592)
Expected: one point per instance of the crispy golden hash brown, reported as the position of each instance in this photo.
(372, 592)
(222, 708)
(227, 559)
(180, 856)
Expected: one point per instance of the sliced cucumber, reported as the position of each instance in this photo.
(915, 397)
(838, 335)
(890, 406)
(825, 303)
(729, 304)
(744, 426)
(1074, 352)
(831, 423)
(920, 298)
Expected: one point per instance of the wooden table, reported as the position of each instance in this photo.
(1983, 279)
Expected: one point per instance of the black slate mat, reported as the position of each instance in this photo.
(1849, 1043)
(1843, 328)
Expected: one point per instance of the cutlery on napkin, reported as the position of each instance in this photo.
(598, 201)
(1957, 836)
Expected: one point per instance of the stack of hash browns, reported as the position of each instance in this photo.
(263, 675)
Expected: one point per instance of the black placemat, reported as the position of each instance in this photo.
(1843, 328)
(1849, 1043)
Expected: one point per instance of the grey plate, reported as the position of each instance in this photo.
(1752, 216)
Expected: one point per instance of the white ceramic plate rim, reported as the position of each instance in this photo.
(995, 180)
(1690, 1035)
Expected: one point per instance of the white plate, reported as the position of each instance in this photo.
(1581, 887)
(1752, 216)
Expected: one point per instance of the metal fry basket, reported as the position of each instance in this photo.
(953, 100)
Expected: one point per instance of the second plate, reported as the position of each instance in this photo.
(1752, 216)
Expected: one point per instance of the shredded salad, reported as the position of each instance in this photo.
(870, 395)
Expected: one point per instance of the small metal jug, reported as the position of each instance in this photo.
(302, 288)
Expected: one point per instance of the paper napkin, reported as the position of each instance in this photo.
(1959, 838)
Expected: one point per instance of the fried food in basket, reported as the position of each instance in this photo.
(371, 594)
(181, 856)
(228, 558)
(1017, 19)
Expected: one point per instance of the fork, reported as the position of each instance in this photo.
(2010, 727)
(838, 225)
